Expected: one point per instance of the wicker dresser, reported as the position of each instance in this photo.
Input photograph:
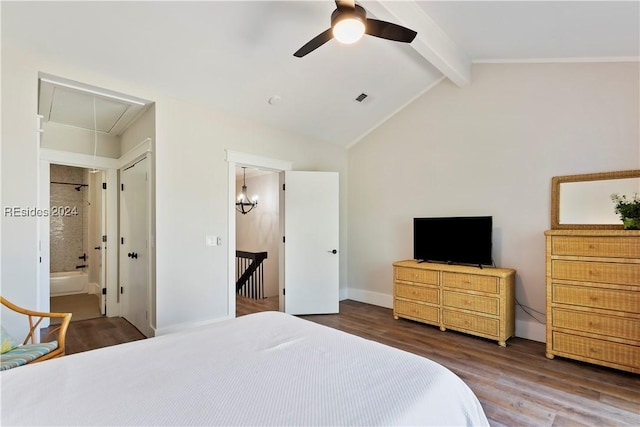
(478, 301)
(593, 296)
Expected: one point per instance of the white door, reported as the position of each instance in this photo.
(134, 251)
(311, 260)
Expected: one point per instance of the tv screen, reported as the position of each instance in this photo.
(460, 240)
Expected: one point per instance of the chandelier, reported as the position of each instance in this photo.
(244, 205)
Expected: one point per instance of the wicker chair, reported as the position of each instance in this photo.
(49, 347)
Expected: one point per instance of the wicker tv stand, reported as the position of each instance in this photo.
(477, 301)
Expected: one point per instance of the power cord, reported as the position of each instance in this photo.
(526, 310)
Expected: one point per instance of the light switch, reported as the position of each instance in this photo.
(213, 240)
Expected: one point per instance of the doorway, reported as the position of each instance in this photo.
(76, 219)
(312, 293)
(257, 239)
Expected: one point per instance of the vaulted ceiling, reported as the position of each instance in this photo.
(237, 56)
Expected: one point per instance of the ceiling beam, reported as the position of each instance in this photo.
(431, 42)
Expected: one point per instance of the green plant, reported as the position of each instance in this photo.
(627, 207)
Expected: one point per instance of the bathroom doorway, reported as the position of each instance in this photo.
(76, 227)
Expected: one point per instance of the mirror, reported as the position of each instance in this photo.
(584, 201)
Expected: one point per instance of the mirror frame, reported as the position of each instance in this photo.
(555, 197)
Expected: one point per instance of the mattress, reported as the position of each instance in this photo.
(262, 369)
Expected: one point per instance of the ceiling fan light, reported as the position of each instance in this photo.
(348, 30)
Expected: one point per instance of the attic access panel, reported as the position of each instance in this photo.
(72, 104)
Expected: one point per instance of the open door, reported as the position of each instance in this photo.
(134, 246)
(311, 227)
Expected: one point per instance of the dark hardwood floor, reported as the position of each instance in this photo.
(101, 332)
(517, 385)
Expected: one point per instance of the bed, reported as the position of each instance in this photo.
(263, 369)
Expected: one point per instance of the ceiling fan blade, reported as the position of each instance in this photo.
(345, 4)
(315, 43)
(389, 31)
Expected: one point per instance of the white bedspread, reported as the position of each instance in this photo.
(261, 369)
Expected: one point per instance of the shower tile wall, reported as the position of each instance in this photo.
(68, 233)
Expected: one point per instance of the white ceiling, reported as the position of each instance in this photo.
(236, 55)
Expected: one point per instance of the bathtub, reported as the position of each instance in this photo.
(68, 283)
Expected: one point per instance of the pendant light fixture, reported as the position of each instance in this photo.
(244, 205)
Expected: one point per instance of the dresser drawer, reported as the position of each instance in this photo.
(597, 323)
(616, 247)
(417, 311)
(417, 275)
(606, 351)
(470, 322)
(611, 299)
(470, 282)
(600, 272)
(478, 303)
(420, 293)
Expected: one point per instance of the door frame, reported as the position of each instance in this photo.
(235, 159)
(110, 168)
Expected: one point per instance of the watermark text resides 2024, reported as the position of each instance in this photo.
(28, 212)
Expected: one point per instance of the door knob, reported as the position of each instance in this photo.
(132, 255)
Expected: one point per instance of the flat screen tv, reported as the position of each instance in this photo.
(459, 240)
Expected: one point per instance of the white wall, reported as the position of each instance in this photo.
(76, 140)
(191, 187)
(490, 148)
(258, 231)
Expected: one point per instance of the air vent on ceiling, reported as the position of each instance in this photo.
(361, 97)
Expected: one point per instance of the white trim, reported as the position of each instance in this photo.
(555, 60)
(531, 330)
(136, 152)
(183, 326)
(370, 297)
(396, 111)
(80, 87)
(246, 159)
(344, 294)
(48, 156)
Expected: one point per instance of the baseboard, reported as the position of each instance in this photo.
(94, 288)
(531, 330)
(370, 297)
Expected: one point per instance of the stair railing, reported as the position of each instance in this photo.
(250, 274)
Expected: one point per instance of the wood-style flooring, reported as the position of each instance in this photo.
(517, 385)
(97, 333)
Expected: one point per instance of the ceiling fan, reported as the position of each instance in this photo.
(349, 23)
